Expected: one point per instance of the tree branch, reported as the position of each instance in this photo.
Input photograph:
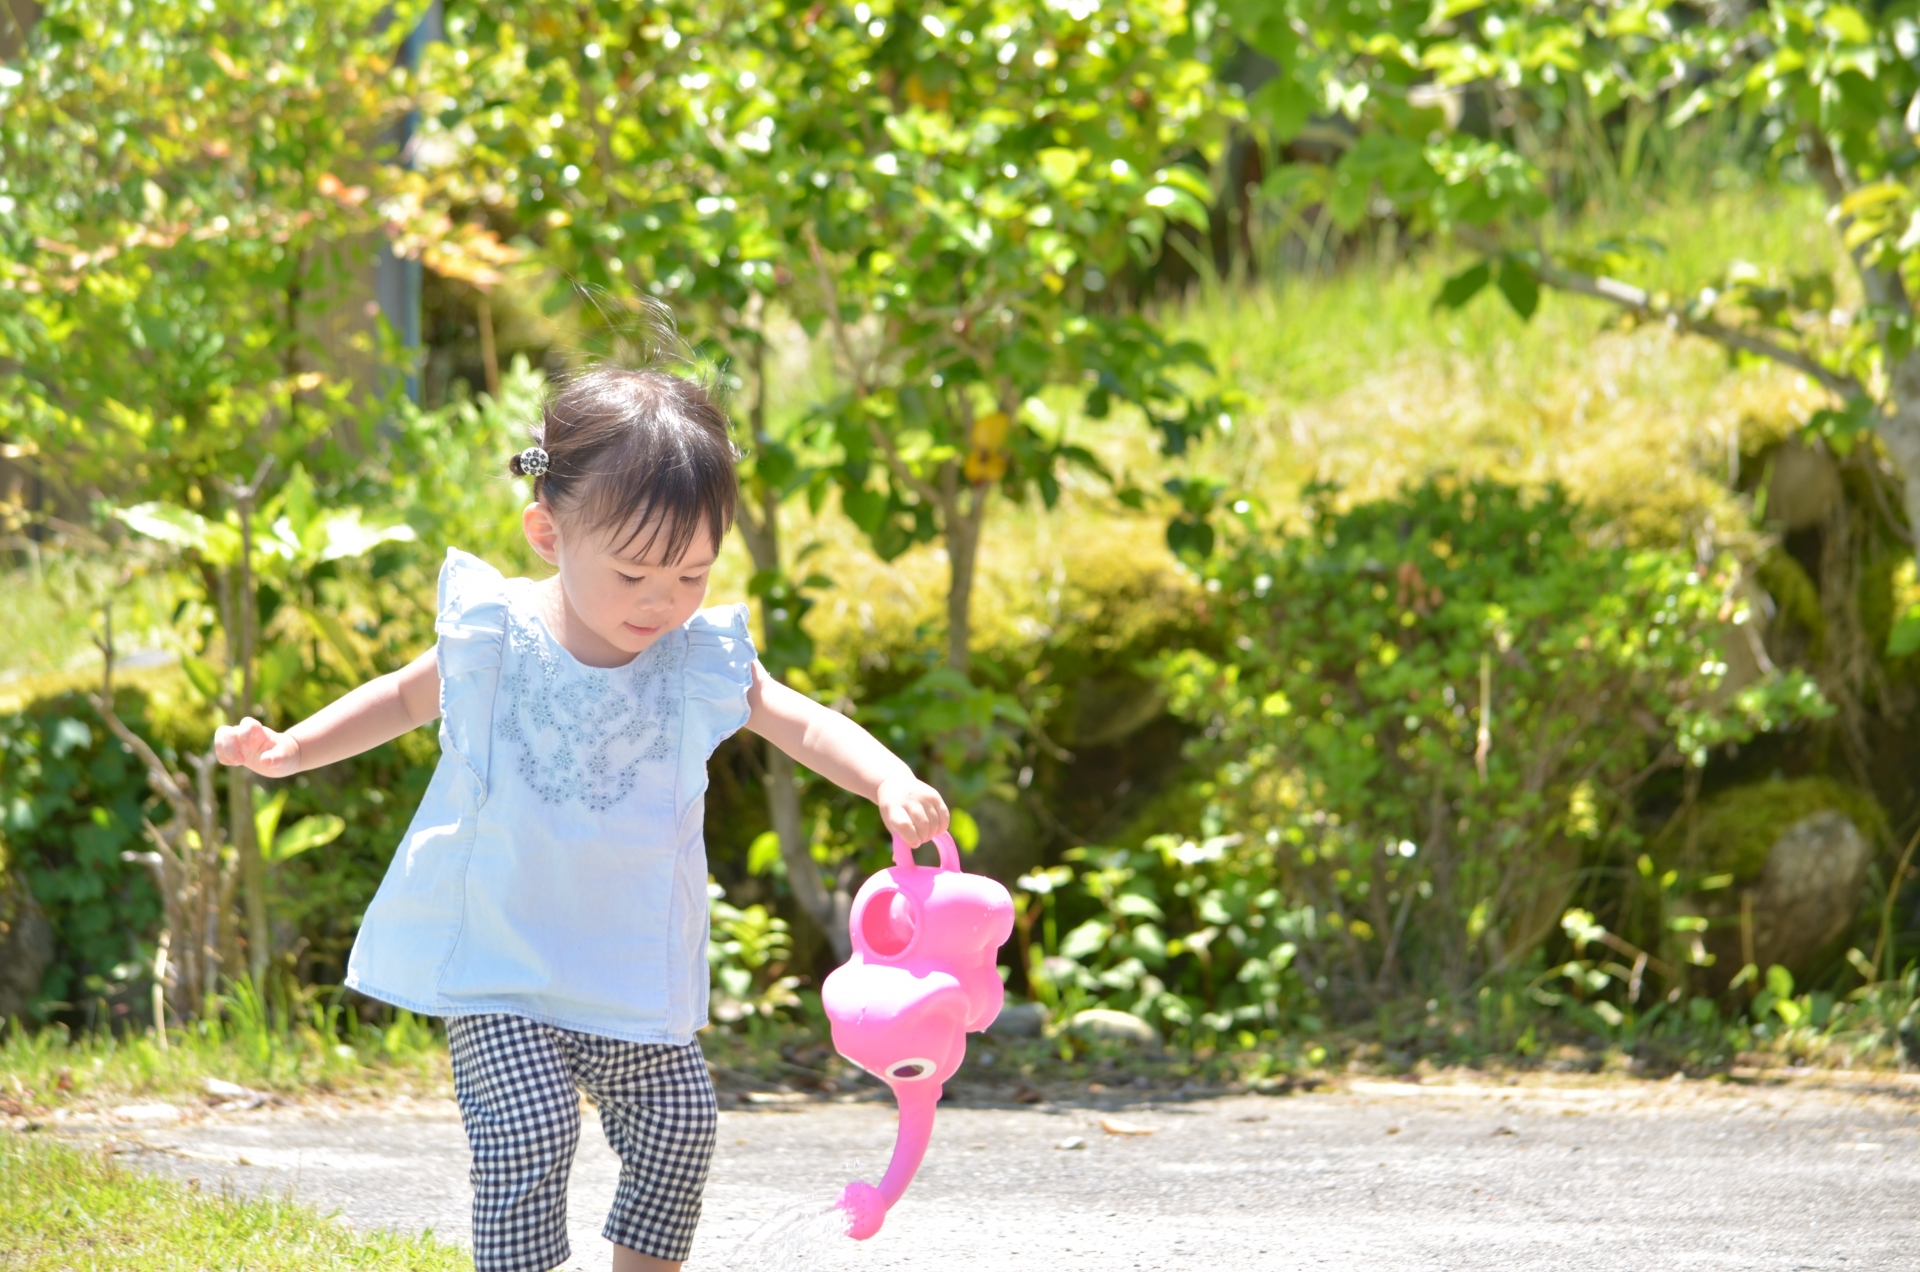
(895, 462)
(1639, 303)
(832, 295)
(905, 475)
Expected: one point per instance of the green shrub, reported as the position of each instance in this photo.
(71, 802)
(1422, 718)
(1192, 936)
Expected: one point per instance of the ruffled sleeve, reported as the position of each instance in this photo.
(719, 671)
(472, 625)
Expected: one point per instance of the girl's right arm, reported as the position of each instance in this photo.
(378, 711)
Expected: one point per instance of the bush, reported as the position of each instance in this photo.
(1421, 722)
(71, 801)
(1229, 968)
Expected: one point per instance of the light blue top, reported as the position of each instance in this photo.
(555, 869)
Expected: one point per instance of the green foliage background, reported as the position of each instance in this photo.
(1393, 728)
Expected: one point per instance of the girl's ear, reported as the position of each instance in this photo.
(543, 533)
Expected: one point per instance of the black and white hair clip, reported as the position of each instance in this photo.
(531, 462)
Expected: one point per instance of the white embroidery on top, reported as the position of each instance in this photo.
(583, 733)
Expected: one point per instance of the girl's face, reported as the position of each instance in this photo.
(619, 596)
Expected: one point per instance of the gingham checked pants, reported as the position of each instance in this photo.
(516, 1082)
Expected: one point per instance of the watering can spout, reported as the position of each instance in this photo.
(866, 1205)
(921, 976)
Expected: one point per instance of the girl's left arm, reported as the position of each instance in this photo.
(845, 754)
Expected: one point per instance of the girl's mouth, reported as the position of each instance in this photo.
(641, 631)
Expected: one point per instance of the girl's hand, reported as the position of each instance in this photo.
(911, 809)
(259, 748)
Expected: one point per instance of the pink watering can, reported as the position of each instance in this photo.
(921, 977)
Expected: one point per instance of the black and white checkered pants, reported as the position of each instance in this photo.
(516, 1082)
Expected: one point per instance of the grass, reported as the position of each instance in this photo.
(1359, 380)
(47, 626)
(265, 1051)
(62, 1210)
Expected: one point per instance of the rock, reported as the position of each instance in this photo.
(1804, 884)
(1019, 1020)
(1810, 889)
(26, 944)
(1116, 1026)
(1072, 1142)
(226, 1090)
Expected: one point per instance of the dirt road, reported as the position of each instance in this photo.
(1634, 1177)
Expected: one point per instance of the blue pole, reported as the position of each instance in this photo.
(397, 281)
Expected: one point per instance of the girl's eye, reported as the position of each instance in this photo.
(693, 578)
(627, 578)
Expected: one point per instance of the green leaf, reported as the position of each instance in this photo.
(1904, 639)
(204, 677)
(1058, 166)
(1519, 285)
(266, 819)
(182, 528)
(763, 854)
(1464, 286)
(278, 667)
(1190, 537)
(1846, 25)
(308, 832)
(1089, 938)
(345, 535)
(328, 626)
(964, 829)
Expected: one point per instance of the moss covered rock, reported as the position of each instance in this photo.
(1797, 854)
(1736, 829)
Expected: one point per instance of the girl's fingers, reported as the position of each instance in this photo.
(233, 743)
(257, 747)
(278, 759)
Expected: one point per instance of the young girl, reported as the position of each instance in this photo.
(550, 899)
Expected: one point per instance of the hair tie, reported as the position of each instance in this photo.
(531, 462)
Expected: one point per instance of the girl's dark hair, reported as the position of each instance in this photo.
(637, 450)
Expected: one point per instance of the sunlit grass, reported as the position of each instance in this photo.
(52, 611)
(47, 1069)
(63, 1209)
(1357, 378)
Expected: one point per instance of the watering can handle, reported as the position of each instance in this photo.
(949, 853)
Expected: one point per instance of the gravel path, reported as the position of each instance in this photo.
(1631, 1176)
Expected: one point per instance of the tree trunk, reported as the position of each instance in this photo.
(963, 556)
(1901, 434)
(253, 867)
(826, 907)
